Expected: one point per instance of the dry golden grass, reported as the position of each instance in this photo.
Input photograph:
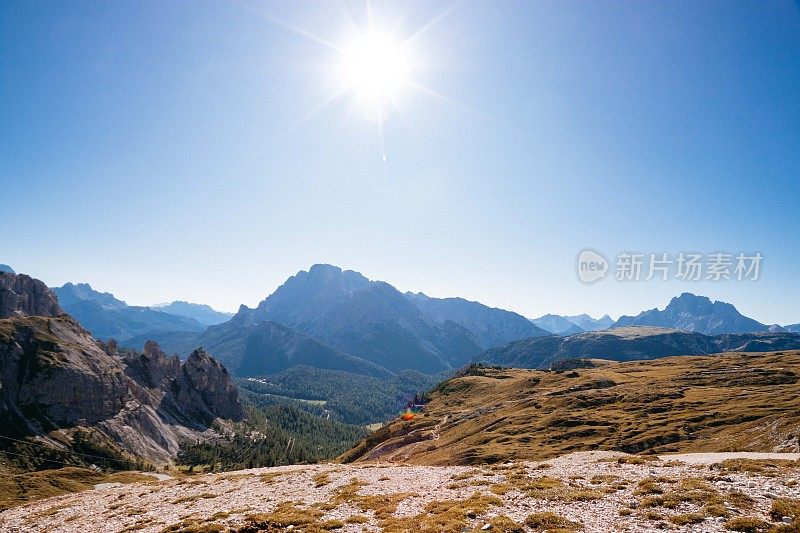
(748, 524)
(19, 488)
(676, 404)
(672, 494)
(547, 521)
(544, 487)
(270, 477)
(785, 507)
(503, 524)
(284, 515)
(194, 526)
(448, 516)
(686, 519)
(322, 479)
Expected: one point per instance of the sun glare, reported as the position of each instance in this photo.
(375, 67)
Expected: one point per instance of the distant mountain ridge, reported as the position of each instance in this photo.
(557, 325)
(689, 312)
(588, 323)
(6, 268)
(631, 343)
(71, 293)
(490, 325)
(204, 314)
(108, 317)
(338, 319)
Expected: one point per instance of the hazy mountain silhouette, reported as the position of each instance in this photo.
(491, 326)
(689, 312)
(558, 325)
(204, 314)
(106, 316)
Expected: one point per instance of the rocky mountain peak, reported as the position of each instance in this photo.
(22, 295)
(209, 382)
(690, 303)
(71, 293)
(690, 312)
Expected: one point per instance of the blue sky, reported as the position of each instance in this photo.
(169, 151)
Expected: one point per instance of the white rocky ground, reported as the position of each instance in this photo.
(233, 495)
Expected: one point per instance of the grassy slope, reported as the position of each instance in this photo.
(727, 402)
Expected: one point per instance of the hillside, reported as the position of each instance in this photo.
(679, 404)
(631, 343)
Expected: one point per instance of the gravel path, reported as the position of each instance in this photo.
(614, 480)
(718, 457)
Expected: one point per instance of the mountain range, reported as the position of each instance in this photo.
(631, 343)
(336, 319)
(569, 325)
(587, 323)
(340, 320)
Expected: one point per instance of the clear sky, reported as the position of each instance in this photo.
(193, 150)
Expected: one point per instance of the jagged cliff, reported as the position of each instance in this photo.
(22, 295)
(55, 380)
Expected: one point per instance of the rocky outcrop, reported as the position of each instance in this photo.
(54, 378)
(22, 295)
(205, 389)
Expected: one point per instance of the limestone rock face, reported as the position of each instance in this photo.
(206, 390)
(54, 377)
(22, 295)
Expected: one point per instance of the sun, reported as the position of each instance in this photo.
(375, 67)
